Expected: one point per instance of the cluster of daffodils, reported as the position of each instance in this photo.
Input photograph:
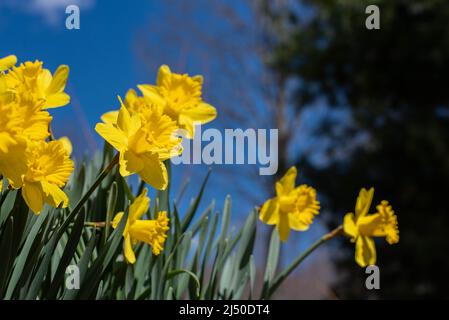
(30, 159)
(146, 131)
(294, 208)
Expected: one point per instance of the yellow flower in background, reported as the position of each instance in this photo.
(32, 79)
(144, 142)
(41, 170)
(180, 96)
(292, 208)
(152, 232)
(361, 227)
(7, 62)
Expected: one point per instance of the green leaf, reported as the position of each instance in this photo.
(24, 254)
(83, 265)
(95, 273)
(174, 273)
(246, 244)
(6, 257)
(112, 201)
(272, 261)
(194, 206)
(67, 256)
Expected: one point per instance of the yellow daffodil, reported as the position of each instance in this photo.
(361, 227)
(292, 208)
(32, 79)
(25, 120)
(40, 169)
(152, 232)
(7, 62)
(144, 142)
(180, 96)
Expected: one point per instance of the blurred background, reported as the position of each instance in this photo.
(354, 108)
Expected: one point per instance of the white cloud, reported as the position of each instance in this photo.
(53, 11)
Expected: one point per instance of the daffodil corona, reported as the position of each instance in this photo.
(292, 208)
(152, 232)
(361, 227)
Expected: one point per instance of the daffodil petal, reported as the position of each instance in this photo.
(110, 117)
(59, 80)
(112, 135)
(56, 100)
(117, 219)
(365, 251)
(349, 225)
(54, 195)
(363, 202)
(288, 181)
(152, 93)
(202, 113)
(128, 249)
(130, 163)
(154, 172)
(270, 212)
(140, 206)
(33, 195)
(283, 227)
(163, 75)
(67, 144)
(297, 221)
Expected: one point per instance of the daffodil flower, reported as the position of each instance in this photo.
(361, 227)
(152, 232)
(30, 78)
(292, 208)
(180, 96)
(142, 145)
(41, 170)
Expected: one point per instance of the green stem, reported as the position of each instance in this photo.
(89, 192)
(281, 277)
